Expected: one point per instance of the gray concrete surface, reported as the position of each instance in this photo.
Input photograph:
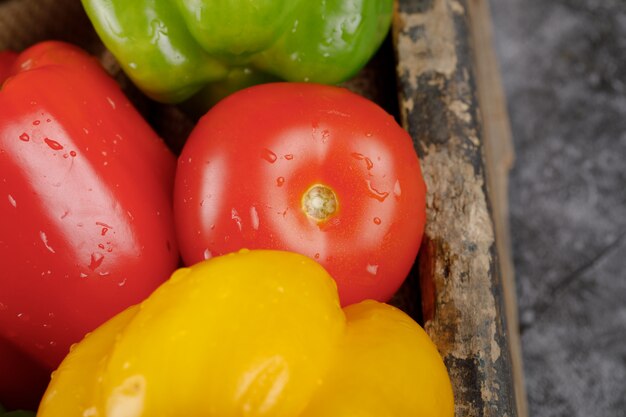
(564, 69)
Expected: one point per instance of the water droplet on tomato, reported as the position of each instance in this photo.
(368, 162)
(254, 218)
(374, 193)
(317, 256)
(36, 122)
(372, 269)
(24, 137)
(83, 275)
(72, 153)
(289, 157)
(268, 155)
(396, 189)
(377, 220)
(105, 228)
(12, 201)
(121, 283)
(101, 246)
(65, 156)
(53, 144)
(280, 181)
(207, 254)
(235, 216)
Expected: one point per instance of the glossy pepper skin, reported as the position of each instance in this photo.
(253, 333)
(171, 49)
(86, 226)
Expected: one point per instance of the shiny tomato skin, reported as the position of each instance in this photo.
(243, 171)
(86, 223)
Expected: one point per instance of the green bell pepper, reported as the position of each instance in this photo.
(173, 49)
(16, 413)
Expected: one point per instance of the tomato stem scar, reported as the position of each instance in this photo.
(319, 202)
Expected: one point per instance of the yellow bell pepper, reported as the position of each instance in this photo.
(256, 333)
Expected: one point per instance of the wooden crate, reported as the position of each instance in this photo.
(452, 104)
(438, 75)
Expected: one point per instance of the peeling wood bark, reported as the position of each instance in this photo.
(459, 273)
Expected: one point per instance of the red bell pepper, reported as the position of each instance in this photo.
(86, 225)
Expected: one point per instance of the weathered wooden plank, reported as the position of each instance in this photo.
(499, 156)
(459, 271)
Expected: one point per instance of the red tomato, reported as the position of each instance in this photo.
(86, 225)
(259, 160)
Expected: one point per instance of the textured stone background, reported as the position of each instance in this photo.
(564, 68)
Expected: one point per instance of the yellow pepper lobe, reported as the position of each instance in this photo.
(71, 389)
(249, 334)
(386, 366)
(254, 333)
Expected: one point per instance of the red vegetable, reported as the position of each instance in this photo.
(6, 62)
(86, 227)
(258, 159)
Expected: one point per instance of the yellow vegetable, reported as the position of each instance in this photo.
(257, 333)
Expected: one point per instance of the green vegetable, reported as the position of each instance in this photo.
(16, 413)
(172, 49)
